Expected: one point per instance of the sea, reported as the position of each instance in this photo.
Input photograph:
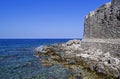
(18, 61)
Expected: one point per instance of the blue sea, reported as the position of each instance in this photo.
(17, 60)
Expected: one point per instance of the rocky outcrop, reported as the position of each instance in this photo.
(71, 54)
(102, 28)
(98, 54)
(104, 23)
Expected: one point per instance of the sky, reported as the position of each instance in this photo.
(45, 18)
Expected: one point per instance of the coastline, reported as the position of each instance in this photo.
(97, 55)
(92, 62)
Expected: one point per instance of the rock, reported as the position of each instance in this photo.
(94, 59)
(72, 45)
(118, 77)
(71, 42)
(99, 50)
(100, 68)
(78, 77)
(103, 22)
(102, 28)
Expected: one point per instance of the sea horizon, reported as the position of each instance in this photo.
(40, 38)
(17, 60)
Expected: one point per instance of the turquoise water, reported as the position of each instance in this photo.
(17, 60)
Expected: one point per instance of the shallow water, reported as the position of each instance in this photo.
(17, 60)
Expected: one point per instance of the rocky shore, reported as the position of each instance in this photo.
(97, 55)
(94, 63)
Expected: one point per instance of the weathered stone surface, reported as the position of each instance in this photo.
(99, 50)
(104, 22)
(101, 38)
(102, 28)
(94, 59)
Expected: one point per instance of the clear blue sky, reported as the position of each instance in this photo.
(44, 18)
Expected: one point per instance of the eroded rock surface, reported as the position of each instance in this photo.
(93, 59)
(104, 23)
(98, 54)
(102, 28)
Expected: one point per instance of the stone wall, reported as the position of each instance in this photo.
(102, 28)
(103, 23)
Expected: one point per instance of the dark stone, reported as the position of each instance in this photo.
(118, 77)
(78, 77)
(109, 61)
